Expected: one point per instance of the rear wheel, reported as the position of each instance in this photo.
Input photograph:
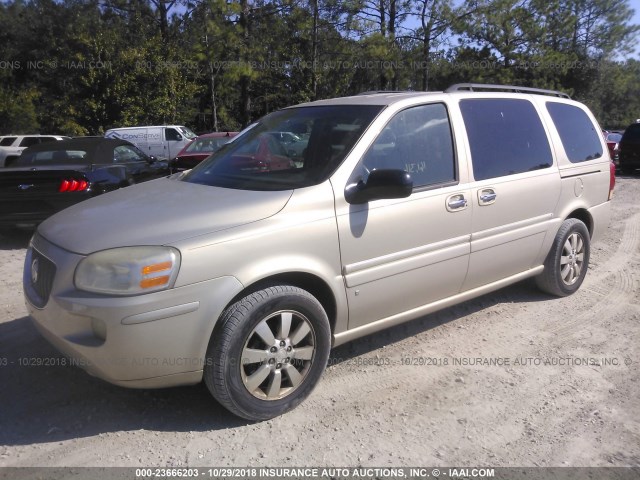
(268, 353)
(566, 264)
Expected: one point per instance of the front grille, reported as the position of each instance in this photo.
(41, 274)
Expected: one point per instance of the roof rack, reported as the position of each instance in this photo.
(472, 87)
(373, 92)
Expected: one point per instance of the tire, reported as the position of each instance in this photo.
(566, 264)
(282, 333)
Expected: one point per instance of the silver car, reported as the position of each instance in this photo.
(245, 271)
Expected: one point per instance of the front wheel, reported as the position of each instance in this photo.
(268, 352)
(566, 264)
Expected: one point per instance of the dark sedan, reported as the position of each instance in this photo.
(50, 177)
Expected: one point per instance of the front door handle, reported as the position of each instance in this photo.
(456, 203)
(486, 196)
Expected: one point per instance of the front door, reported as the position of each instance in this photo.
(401, 254)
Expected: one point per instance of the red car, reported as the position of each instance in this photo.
(199, 149)
(613, 144)
(264, 154)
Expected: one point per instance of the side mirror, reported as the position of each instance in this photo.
(380, 184)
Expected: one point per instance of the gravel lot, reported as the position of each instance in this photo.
(514, 378)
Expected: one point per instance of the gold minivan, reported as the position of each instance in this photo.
(396, 205)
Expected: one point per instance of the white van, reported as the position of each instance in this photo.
(163, 141)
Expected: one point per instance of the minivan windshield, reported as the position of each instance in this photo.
(263, 158)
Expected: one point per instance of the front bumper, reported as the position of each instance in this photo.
(144, 341)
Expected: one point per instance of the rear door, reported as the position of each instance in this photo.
(515, 190)
(401, 254)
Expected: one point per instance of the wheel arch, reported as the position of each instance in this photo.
(584, 216)
(313, 284)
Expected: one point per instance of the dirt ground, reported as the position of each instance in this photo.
(514, 378)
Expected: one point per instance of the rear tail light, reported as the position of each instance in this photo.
(73, 185)
(612, 179)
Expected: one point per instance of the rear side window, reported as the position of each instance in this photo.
(580, 139)
(28, 141)
(632, 133)
(417, 140)
(506, 137)
(7, 141)
(51, 157)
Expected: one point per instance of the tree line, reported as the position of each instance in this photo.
(79, 67)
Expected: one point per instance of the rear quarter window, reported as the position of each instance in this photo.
(506, 137)
(579, 136)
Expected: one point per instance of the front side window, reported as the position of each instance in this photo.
(7, 141)
(579, 136)
(417, 140)
(171, 134)
(506, 137)
(126, 154)
(257, 160)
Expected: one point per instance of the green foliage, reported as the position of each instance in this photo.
(79, 67)
(18, 111)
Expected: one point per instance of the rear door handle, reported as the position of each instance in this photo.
(486, 196)
(456, 203)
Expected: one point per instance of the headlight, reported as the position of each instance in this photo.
(128, 270)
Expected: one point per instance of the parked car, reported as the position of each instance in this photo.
(160, 141)
(250, 286)
(262, 154)
(50, 177)
(613, 143)
(12, 146)
(293, 144)
(629, 149)
(199, 149)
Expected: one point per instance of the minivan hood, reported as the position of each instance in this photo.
(159, 212)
